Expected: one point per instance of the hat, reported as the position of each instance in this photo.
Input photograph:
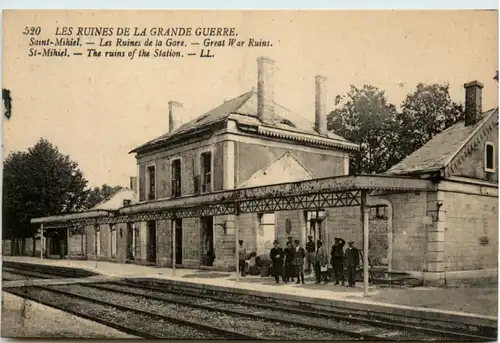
(350, 242)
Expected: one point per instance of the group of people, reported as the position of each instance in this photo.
(289, 262)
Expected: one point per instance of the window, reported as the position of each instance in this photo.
(489, 157)
(151, 183)
(176, 178)
(206, 172)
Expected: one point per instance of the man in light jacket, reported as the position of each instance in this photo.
(242, 258)
(320, 262)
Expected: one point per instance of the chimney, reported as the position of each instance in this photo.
(133, 183)
(173, 115)
(320, 105)
(473, 102)
(265, 89)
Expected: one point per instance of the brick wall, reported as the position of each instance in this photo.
(469, 218)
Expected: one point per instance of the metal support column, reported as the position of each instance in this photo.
(327, 239)
(42, 246)
(237, 235)
(366, 236)
(173, 227)
(67, 242)
(96, 229)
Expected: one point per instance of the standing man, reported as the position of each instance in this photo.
(242, 258)
(277, 255)
(310, 248)
(320, 262)
(352, 259)
(338, 260)
(298, 262)
(289, 252)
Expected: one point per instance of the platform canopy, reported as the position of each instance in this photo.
(341, 191)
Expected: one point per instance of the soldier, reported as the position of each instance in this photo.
(337, 260)
(352, 260)
(310, 248)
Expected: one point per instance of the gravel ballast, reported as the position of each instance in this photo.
(302, 318)
(129, 319)
(265, 328)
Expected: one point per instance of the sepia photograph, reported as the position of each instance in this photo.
(304, 175)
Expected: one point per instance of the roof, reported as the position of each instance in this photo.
(115, 201)
(438, 152)
(243, 109)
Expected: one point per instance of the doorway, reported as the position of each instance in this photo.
(315, 230)
(207, 241)
(151, 241)
(178, 241)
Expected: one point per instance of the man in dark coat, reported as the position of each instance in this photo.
(311, 249)
(298, 261)
(337, 260)
(277, 256)
(288, 272)
(352, 261)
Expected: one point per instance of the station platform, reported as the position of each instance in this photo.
(479, 303)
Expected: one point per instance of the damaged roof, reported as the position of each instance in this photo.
(243, 109)
(438, 152)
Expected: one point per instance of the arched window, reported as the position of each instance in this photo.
(489, 157)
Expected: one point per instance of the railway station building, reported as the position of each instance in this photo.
(448, 223)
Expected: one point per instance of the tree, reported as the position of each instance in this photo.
(97, 195)
(424, 113)
(365, 116)
(39, 183)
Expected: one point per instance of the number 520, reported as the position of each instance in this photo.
(32, 31)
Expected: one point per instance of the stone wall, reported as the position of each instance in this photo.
(252, 157)
(189, 156)
(473, 165)
(471, 233)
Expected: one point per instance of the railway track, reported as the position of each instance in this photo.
(137, 322)
(350, 324)
(210, 307)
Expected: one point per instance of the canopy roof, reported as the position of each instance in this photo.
(310, 194)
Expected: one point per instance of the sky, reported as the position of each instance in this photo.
(98, 109)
